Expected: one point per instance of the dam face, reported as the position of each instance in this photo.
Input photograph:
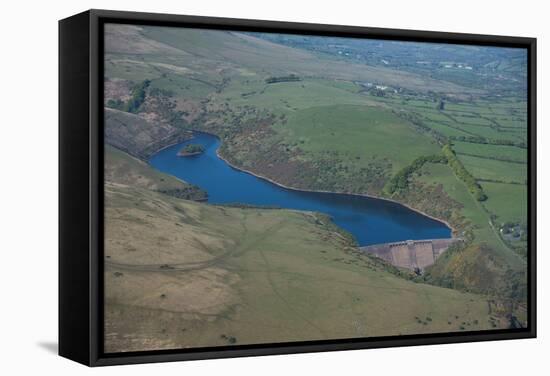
(411, 254)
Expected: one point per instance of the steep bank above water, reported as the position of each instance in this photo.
(370, 220)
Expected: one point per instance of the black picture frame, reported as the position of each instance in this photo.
(81, 186)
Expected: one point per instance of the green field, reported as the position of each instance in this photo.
(446, 129)
(507, 201)
(503, 152)
(361, 133)
(491, 169)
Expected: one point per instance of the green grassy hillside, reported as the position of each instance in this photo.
(237, 51)
(124, 169)
(340, 148)
(182, 274)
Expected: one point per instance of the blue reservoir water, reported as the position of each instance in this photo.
(370, 220)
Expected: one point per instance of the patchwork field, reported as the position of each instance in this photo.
(489, 139)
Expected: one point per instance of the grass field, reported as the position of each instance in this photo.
(291, 96)
(484, 168)
(446, 129)
(502, 152)
(240, 50)
(182, 274)
(507, 201)
(360, 133)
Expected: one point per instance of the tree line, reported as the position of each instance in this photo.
(463, 174)
(138, 97)
(483, 140)
(290, 77)
(400, 180)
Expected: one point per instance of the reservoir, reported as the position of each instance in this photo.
(369, 220)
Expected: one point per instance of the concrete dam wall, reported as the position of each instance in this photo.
(411, 254)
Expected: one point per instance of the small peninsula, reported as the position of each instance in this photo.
(191, 149)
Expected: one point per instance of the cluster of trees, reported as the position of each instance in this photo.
(232, 340)
(289, 78)
(339, 172)
(378, 92)
(117, 104)
(191, 149)
(138, 97)
(463, 174)
(400, 180)
(135, 101)
(483, 140)
(516, 230)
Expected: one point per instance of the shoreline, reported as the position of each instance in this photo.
(453, 230)
(179, 140)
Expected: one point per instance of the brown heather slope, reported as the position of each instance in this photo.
(138, 135)
(477, 267)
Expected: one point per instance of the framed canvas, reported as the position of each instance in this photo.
(235, 187)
